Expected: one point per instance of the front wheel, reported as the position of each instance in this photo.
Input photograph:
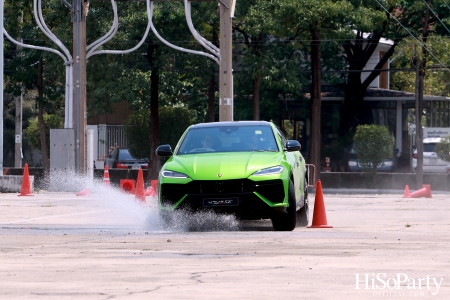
(288, 220)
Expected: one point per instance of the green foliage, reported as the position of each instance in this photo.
(138, 132)
(443, 149)
(51, 122)
(373, 144)
(173, 121)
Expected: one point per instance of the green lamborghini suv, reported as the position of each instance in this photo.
(245, 168)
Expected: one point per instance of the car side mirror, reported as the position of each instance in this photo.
(164, 150)
(293, 145)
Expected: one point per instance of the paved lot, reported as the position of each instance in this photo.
(107, 246)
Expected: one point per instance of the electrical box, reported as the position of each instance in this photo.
(62, 160)
(62, 150)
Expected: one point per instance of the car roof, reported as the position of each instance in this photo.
(231, 123)
(432, 140)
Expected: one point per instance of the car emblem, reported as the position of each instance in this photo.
(219, 175)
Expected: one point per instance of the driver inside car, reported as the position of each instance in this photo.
(208, 142)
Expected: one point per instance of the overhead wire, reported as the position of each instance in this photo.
(420, 43)
(435, 14)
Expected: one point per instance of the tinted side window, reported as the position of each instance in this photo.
(282, 137)
(429, 147)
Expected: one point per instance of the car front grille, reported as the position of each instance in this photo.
(243, 189)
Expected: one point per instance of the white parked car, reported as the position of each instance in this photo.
(431, 162)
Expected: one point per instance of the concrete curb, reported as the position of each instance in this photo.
(371, 191)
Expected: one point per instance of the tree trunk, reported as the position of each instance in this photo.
(315, 144)
(154, 165)
(358, 54)
(256, 96)
(421, 64)
(418, 116)
(211, 97)
(256, 88)
(42, 131)
(212, 85)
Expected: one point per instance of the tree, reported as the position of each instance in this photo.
(263, 42)
(370, 24)
(173, 122)
(373, 144)
(443, 149)
(33, 69)
(34, 133)
(318, 20)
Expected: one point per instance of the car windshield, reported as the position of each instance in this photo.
(429, 147)
(228, 139)
(124, 154)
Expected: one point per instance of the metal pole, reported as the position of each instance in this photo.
(1, 86)
(90, 155)
(226, 71)
(79, 8)
(18, 156)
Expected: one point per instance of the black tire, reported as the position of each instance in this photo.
(287, 221)
(303, 213)
(166, 218)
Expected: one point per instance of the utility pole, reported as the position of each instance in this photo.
(1, 86)
(226, 69)
(18, 139)
(18, 156)
(79, 12)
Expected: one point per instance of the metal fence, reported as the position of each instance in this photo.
(110, 136)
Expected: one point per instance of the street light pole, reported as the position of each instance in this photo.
(79, 10)
(226, 69)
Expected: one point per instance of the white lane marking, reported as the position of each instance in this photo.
(53, 216)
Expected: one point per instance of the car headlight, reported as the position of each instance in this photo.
(269, 171)
(388, 163)
(352, 163)
(172, 174)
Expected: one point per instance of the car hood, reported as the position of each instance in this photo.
(208, 166)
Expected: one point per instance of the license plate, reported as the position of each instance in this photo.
(221, 202)
(136, 166)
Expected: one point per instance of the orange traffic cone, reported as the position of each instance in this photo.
(406, 193)
(425, 191)
(26, 186)
(140, 190)
(84, 192)
(106, 177)
(320, 215)
(152, 189)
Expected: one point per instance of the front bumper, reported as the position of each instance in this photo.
(248, 199)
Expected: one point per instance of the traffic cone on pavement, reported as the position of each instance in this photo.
(140, 190)
(152, 189)
(84, 192)
(406, 193)
(425, 191)
(26, 186)
(106, 177)
(320, 215)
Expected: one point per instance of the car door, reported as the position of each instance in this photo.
(294, 160)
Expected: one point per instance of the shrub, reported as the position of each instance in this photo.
(373, 144)
(34, 136)
(443, 149)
